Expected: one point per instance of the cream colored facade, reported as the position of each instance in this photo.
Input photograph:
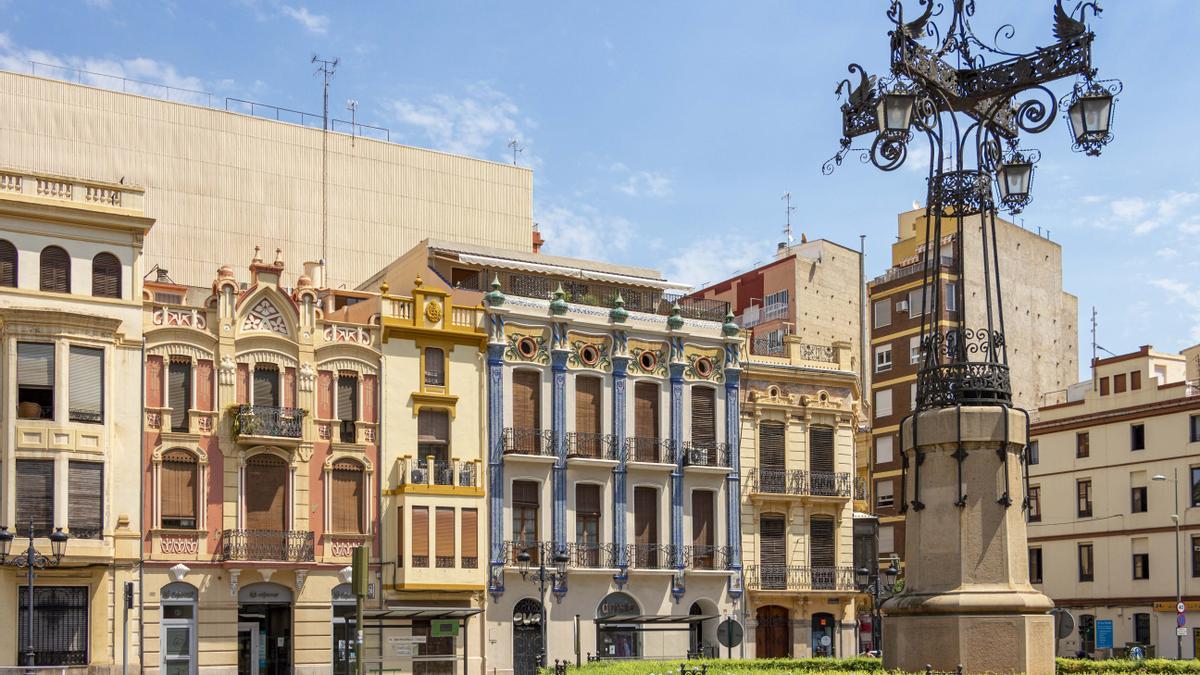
(220, 181)
(1094, 497)
(56, 434)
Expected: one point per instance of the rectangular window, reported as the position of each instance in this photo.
(587, 524)
(1137, 499)
(951, 297)
(916, 302)
(179, 392)
(1195, 473)
(887, 539)
(85, 386)
(443, 537)
(1119, 383)
(883, 403)
(883, 358)
(266, 386)
(1035, 504)
(347, 405)
(776, 298)
(1196, 555)
(645, 528)
(177, 490)
(1083, 446)
(35, 497)
(1086, 572)
(1104, 386)
(347, 498)
(1034, 454)
(470, 538)
(883, 450)
(35, 381)
(525, 501)
(435, 367)
(60, 624)
(1135, 380)
(1194, 429)
(883, 313)
(1141, 566)
(1083, 493)
(1035, 565)
(1141, 628)
(704, 529)
(420, 536)
(914, 349)
(85, 500)
(884, 495)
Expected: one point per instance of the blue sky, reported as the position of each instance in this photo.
(663, 134)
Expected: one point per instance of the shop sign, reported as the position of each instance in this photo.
(617, 604)
(1169, 606)
(264, 593)
(443, 628)
(179, 591)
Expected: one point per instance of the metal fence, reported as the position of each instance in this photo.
(282, 545)
(788, 578)
(60, 624)
(268, 420)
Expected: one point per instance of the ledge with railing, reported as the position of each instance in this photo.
(800, 482)
(590, 445)
(703, 453)
(281, 545)
(788, 578)
(591, 556)
(454, 472)
(268, 421)
(707, 557)
(51, 186)
(537, 550)
(651, 450)
(533, 442)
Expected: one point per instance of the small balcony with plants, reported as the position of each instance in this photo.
(278, 425)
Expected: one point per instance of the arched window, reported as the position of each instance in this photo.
(346, 499)
(178, 482)
(56, 270)
(8, 264)
(106, 276)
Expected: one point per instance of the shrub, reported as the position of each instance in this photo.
(1127, 666)
(859, 665)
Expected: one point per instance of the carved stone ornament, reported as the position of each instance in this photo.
(227, 371)
(265, 317)
(179, 571)
(433, 311)
(307, 376)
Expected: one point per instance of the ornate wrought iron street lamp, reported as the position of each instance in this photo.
(32, 560)
(556, 579)
(869, 581)
(1090, 112)
(1014, 178)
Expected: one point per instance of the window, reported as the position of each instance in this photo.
(1137, 499)
(35, 381)
(85, 500)
(525, 500)
(883, 403)
(1104, 386)
(178, 481)
(266, 487)
(470, 538)
(884, 495)
(883, 358)
(883, 449)
(1194, 429)
(883, 313)
(55, 270)
(35, 497)
(1195, 473)
(60, 625)
(420, 536)
(86, 385)
(771, 463)
(916, 302)
(1034, 454)
(645, 528)
(645, 422)
(586, 440)
(1141, 566)
(1141, 628)
(435, 367)
(8, 264)
(1196, 555)
(820, 456)
(1083, 492)
(1119, 383)
(704, 422)
(347, 498)
(887, 539)
(1086, 572)
(443, 537)
(106, 276)
(704, 529)
(266, 385)
(776, 298)
(347, 405)
(951, 297)
(822, 553)
(527, 413)
(772, 551)
(587, 525)
(914, 349)
(179, 392)
(1135, 380)
(433, 441)
(1082, 445)
(1035, 504)
(1035, 565)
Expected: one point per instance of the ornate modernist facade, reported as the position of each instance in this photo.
(261, 430)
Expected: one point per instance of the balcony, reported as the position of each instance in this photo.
(536, 549)
(591, 556)
(586, 445)
(705, 454)
(755, 315)
(254, 422)
(651, 556)
(800, 483)
(529, 442)
(452, 473)
(649, 450)
(799, 579)
(707, 557)
(267, 545)
(768, 346)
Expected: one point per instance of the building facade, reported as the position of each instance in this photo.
(70, 347)
(1039, 330)
(260, 472)
(1110, 468)
(800, 414)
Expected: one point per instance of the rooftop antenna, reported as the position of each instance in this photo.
(326, 68)
(787, 230)
(516, 147)
(1095, 347)
(352, 106)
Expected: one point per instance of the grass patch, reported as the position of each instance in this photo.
(860, 666)
(1128, 666)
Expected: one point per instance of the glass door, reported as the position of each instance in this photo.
(178, 640)
(345, 640)
(248, 648)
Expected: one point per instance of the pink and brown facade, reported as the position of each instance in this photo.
(260, 471)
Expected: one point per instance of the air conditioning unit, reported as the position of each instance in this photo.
(902, 306)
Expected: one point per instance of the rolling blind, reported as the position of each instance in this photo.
(433, 427)
(347, 397)
(35, 496)
(702, 518)
(85, 500)
(645, 515)
(444, 534)
(820, 449)
(154, 391)
(435, 366)
(525, 493)
(204, 384)
(526, 399)
(347, 497)
(55, 270)
(35, 364)
(266, 386)
(704, 416)
(266, 490)
(420, 531)
(178, 488)
(771, 446)
(470, 533)
(645, 410)
(179, 392)
(587, 404)
(106, 276)
(820, 534)
(587, 499)
(85, 389)
(772, 539)
(8, 264)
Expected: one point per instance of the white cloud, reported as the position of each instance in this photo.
(99, 4)
(1142, 215)
(582, 231)
(711, 260)
(1179, 292)
(1167, 253)
(313, 23)
(482, 120)
(643, 183)
(1130, 208)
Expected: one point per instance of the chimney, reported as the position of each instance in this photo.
(313, 270)
(537, 239)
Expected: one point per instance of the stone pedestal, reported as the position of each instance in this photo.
(967, 597)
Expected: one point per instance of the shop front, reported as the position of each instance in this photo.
(264, 623)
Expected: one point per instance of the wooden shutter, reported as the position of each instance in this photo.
(704, 417)
(820, 449)
(368, 398)
(324, 394)
(772, 537)
(645, 410)
(55, 270)
(347, 397)
(527, 399)
(35, 496)
(771, 446)
(266, 491)
(154, 381)
(266, 386)
(106, 276)
(243, 383)
(177, 487)
(587, 499)
(444, 534)
(85, 499)
(433, 427)
(35, 364)
(587, 404)
(420, 532)
(179, 392)
(347, 498)
(645, 515)
(204, 385)
(470, 533)
(703, 533)
(820, 536)
(289, 387)
(85, 388)
(8, 264)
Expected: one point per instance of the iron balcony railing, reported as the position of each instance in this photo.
(755, 314)
(703, 453)
(591, 556)
(269, 420)
(800, 482)
(528, 442)
(768, 347)
(282, 545)
(652, 556)
(707, 557)
(787, 578)
(643, 449)
(592, 445)
(442, 472)
(536, 549)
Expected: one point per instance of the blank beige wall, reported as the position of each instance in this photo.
(219, 183)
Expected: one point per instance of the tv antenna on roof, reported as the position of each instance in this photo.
(352, 106)
(787, 230)
(327, 68)
(515, 148)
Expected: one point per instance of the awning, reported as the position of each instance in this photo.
(656, 618)
(421, 613)
(568, 271)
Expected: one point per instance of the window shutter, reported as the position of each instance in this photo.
(368, 398)
(106, 276)
(243, 383)
(645, 410)
(820, 534)
(420, 531)
(525, 493)
(179, 392)
(35, 496)
(470, 533)
(772, 536)
(347, 497)
(289, 387)
(86, 385)
(704, 417)
(347, 397)
(324, 394)
(266, 489)
(433, 427)
(154, 392)
(8, 264)
(770, 446)
(55, 270)
(204, 385)
(435, 366)
(177, 490)
(266, 386)
(35, 364)
(400, 535)
(645, 515)
(587, 404)
(85, 500)
(444, 534)
(526, 399)
(702, 518)
(587, 499)
(820, 449)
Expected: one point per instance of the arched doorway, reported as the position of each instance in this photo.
(772, 638)
(616, 640)
(178, 627)
(824, 635)
(527, 636)
(702, 635)
(264, 629)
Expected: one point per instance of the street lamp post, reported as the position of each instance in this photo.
(32, 560)
(554, 578)
(868, 582)
(1177, 517)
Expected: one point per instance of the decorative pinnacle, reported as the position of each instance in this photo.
(558, 306)
(730, 328)
(618, 313)
(675, 321)
(383, 288)
(494, 297)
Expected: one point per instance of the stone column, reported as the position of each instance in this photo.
(967, 597)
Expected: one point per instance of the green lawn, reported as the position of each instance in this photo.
(849, 666)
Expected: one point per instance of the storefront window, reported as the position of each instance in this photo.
(178, 629)
(618, 641)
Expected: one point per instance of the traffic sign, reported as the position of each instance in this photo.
(1181, 631)
(1180, 608)
(729, 633)
(1181, 620)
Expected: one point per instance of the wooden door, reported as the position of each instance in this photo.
(772, 638)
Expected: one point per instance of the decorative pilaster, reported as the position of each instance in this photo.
(733, 485)
(677, 588)
(619, 380)
(558, 425)
(495, 423)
